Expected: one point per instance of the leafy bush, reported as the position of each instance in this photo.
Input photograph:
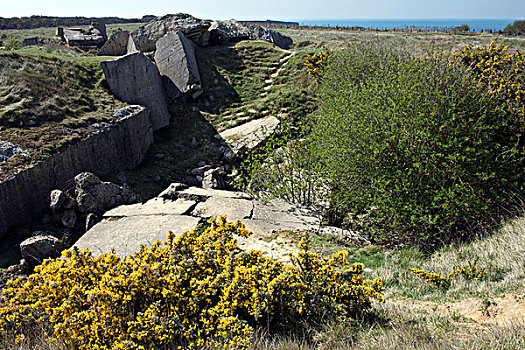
(503, 73)
(411, 146)
(13, 43)
(516, 28)
(198, 289)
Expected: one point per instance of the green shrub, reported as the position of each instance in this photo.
(410, 146)
(13, 43)
(516, 28)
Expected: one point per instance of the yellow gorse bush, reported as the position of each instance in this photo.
(502, 72)
(195, 290)
(317, 63)
(469, 272)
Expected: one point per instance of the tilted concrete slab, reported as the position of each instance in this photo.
(155, 206)
(128, 233)
(250, 135)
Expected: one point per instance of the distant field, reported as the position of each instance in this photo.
(50, 32)
(419, 41)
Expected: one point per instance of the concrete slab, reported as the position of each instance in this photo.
(155, 206)
(233, 208)
(204, 193)
(278, 211)
(250, 135)
(128, 233)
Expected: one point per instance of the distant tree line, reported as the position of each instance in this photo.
(49, 21)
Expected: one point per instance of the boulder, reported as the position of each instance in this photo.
(134, 78)
(57, 200)
(117, 44)
(145, 37)
(95, 196)
(35, 249)
(175, 59)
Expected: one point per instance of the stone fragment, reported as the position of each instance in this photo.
(175, 59)
(57, 200)
(35, 249)
(134, 78)
(116, 45)
(214, 178)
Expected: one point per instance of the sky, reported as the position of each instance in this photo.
(271, 9)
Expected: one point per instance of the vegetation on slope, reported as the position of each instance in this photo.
(48, 97)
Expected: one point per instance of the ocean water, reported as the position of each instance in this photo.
(427, 24)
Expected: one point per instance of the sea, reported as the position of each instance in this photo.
(425, 24)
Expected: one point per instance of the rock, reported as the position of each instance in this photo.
(117, 44)
(9, 150)
(213, 178)
(228, 31)
(133, 78)
(58, 199)
(94, 196)
(86, 203)
(35, 249)
(175, 59)
(85, 180)
(69, 218)
(198, 178)
(145, 37)
(91, 220)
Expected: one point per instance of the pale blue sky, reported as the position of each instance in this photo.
(273, 9)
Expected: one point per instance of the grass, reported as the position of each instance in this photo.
(317, 38)
(235, 78)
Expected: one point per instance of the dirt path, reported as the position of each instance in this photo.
(283, 61)
(499, 311)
